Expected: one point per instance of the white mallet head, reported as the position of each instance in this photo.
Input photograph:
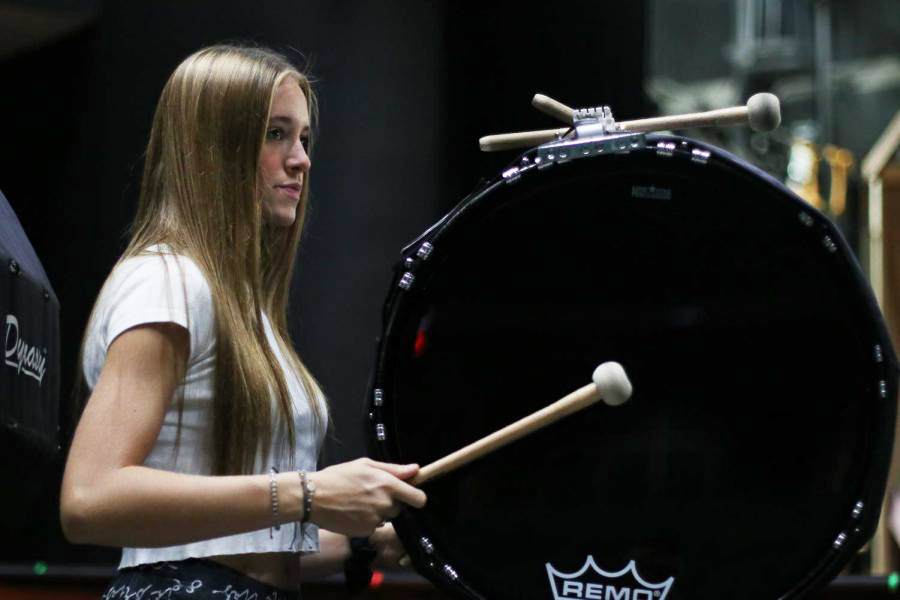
(764, 112)
(610, 378)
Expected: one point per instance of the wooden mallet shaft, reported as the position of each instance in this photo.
(723, 116)
(610, 383)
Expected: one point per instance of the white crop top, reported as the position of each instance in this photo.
(163, 287)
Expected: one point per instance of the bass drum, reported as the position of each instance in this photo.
(750, 461)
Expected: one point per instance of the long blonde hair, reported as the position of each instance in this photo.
(200, 196)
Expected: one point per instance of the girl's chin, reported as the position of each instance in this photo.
(279, 214)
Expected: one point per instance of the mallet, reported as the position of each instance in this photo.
(762, 112)
(610, 383)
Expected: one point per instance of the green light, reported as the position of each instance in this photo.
(893, 581)
(40, 567)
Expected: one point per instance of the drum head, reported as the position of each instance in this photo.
(750, 460)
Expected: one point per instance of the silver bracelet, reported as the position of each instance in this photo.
(309, 490)
(273, 491)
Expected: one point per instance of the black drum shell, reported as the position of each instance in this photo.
(751, 460)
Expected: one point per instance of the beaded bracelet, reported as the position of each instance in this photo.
(273, 491)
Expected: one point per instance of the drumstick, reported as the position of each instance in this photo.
(521, 139)
(762, 112)
(609, 383)
(554, 108)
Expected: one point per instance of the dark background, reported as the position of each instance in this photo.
(406, 89)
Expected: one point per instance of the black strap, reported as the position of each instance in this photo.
(358, 566)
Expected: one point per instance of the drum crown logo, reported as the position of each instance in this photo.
(593, 583)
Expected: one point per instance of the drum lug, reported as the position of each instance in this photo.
(857, 509)
(407, 280)
(700, 156)
(665, 149)
(511, 175)
(542, 164)
(882, 388)
(424, 250)
(379, 432)
(378, 397)
(806, 219)
(450, 572)
(426, 544)
(829, 243)
(878, 355)
(839, 541)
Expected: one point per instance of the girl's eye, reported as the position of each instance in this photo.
(305, 141)
(276, 133)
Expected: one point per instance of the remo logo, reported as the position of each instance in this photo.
(593, 583)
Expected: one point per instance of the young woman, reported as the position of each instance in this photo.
(196, 450)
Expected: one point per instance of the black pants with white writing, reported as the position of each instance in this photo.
(192, 579)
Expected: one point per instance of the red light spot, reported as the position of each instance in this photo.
(377, 579)
(419, 348)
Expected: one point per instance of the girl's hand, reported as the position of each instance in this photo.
(389, 550)
(356, 497)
